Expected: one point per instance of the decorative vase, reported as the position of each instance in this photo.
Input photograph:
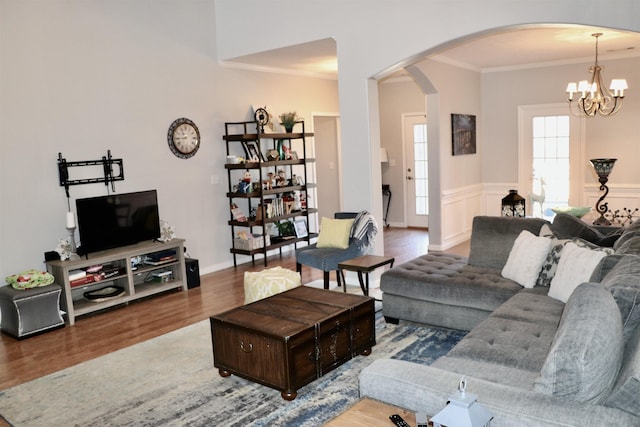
(281, 149)
(288, 128)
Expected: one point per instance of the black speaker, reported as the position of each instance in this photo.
(193, 273)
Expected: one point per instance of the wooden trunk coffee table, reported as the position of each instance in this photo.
(290, 339)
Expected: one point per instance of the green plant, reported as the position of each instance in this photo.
(288, 119)
(286, 228)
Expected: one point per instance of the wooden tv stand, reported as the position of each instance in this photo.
(137, 282)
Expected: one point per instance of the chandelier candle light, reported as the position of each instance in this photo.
(603, 168)
(595, 98)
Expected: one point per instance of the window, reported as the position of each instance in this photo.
(421, 169)
(551, 166)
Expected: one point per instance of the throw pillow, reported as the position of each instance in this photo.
(587, 349)
(575, 267)
(334, 233)
(271, 281)
(550, 265)
(567, 226)
(525, 259)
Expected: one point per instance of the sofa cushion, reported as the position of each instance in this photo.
(493, 237)
(448, 279)
(587, 349)
(623, 281)
(626, 392)
(575, 267)
(516, 336)
(526, 258)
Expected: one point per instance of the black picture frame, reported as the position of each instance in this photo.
(254, 151)
(463, 134)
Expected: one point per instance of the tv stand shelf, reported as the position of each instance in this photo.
(135, 282)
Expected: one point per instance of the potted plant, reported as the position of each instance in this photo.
(288, 120)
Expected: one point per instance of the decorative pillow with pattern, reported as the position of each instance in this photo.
(550, 265)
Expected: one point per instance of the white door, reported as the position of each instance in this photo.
(550, 158)
(417, 169)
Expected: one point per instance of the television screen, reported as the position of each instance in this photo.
(116, 220)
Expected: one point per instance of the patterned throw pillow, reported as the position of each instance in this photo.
(550, 265)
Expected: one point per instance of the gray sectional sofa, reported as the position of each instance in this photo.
(532, 359)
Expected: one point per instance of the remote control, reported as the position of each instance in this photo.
(398, 420)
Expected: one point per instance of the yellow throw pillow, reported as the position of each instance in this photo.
(334, 233)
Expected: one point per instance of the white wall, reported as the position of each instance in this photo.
(396, 98)
(84, 77)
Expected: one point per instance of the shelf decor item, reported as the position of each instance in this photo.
(603, 168)
(288, 120)
(513, 204)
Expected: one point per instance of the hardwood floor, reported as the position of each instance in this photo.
(101, 333)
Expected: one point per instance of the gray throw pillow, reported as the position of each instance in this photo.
(630, 231)
(630, 246)
(623, 281)
(587, 349)
(567, 226)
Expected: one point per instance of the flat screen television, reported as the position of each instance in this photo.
(117, 220)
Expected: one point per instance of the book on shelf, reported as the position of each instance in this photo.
(76, 274)
(82, 281)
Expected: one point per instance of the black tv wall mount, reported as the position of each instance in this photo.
(107, 163)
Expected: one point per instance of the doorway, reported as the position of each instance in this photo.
(414, 130)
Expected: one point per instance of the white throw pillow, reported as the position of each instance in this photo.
(525, 259)
(575, 267)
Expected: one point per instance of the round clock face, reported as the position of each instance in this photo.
(261, 116)
(183, 138)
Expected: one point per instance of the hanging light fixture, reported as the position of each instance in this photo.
(595, 98)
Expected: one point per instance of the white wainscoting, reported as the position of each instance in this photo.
(459, 206)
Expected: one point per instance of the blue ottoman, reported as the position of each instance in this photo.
(30, 311)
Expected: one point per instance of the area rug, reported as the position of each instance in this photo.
(171, 381)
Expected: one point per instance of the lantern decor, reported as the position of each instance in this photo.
(463, 410)
(603, 168)
(513, 204)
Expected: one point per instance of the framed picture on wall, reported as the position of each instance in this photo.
(463, 134)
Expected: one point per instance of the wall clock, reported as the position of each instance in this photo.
(183, 138)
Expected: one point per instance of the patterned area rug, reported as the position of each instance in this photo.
(171, 381)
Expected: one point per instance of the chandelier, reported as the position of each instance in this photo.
(595, 98)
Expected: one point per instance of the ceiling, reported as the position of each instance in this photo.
(522, 47)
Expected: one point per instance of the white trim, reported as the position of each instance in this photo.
(277, 70)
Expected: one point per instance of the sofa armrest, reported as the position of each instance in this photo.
(426, 389)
